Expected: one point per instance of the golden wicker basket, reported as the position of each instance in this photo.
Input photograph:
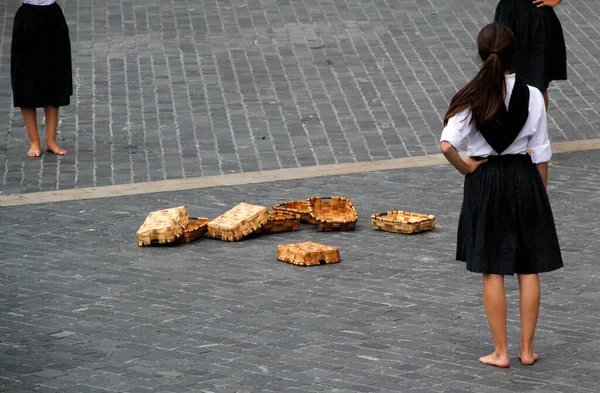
(281, 221)
(239, 222)
(297, 207)
(402, 222)
(195, 229)
(333, 213)
(308, 254)
(163, 226)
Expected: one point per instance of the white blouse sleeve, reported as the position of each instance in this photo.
(458, 128)
(539, 144)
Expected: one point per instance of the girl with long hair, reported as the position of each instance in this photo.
(506, 225)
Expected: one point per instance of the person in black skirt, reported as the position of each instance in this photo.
(41, 73)
(506, 224)
(541, 52)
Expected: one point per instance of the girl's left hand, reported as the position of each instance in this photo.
(546, 3)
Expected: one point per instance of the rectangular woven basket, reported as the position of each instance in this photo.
(239, 222)
(333, 213)
(402, 222)
(281, 221)
(308, 254)
(195, 229)
(163, 226)
(297, 207)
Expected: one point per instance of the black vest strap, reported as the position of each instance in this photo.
(502, 130)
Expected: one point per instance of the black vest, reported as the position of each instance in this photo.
(502, 129)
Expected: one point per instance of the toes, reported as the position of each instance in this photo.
(58, 151)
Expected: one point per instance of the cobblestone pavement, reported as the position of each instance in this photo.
(174, 89)
(86, 311)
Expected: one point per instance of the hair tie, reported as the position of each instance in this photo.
(493, 53)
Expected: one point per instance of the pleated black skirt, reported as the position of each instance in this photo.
(40, 66)
(541, 52)
(506, 224)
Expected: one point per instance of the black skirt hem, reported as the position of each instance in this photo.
(503, 273)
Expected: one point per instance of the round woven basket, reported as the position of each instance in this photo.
(333, 213)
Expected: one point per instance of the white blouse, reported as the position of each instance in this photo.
(534, 134)
(39, 2)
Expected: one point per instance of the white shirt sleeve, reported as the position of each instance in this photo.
(539, 144)
(458, 128)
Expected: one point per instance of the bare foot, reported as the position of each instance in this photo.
(54, 148)
(34, 150)
(528, 359)
(495, 359)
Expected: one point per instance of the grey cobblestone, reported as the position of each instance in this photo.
(191, 88)
(85, 311)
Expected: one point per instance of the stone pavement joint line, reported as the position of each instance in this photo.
(253, 177)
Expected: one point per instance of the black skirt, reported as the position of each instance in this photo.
(506, 224)
(40, 66)
(541, 52)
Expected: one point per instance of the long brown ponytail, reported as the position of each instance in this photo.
(484, 95)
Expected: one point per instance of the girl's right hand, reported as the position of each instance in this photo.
(547, 3)
(473, 164)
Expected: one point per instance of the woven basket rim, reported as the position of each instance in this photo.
(322, 246)
(283, 215)
(383, 216)
(282, 206)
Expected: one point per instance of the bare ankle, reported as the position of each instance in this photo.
(526, 346)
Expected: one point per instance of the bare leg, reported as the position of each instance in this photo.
(546, 99)
(30, 119)
(495, 308)
(51, 126)
(529, 285)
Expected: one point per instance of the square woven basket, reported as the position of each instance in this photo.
(402, 222)
(281, 221)
(239, 222)
(195, 229)
(308, 254)
(297, 207)
(333, 213)
(163, 226)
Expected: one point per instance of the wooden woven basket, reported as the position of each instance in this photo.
(402, 222)
(334, 213)
(297, 207)
(195, 229)
(239, 222)
(308, 254)
(163, 226)
(281, 221)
